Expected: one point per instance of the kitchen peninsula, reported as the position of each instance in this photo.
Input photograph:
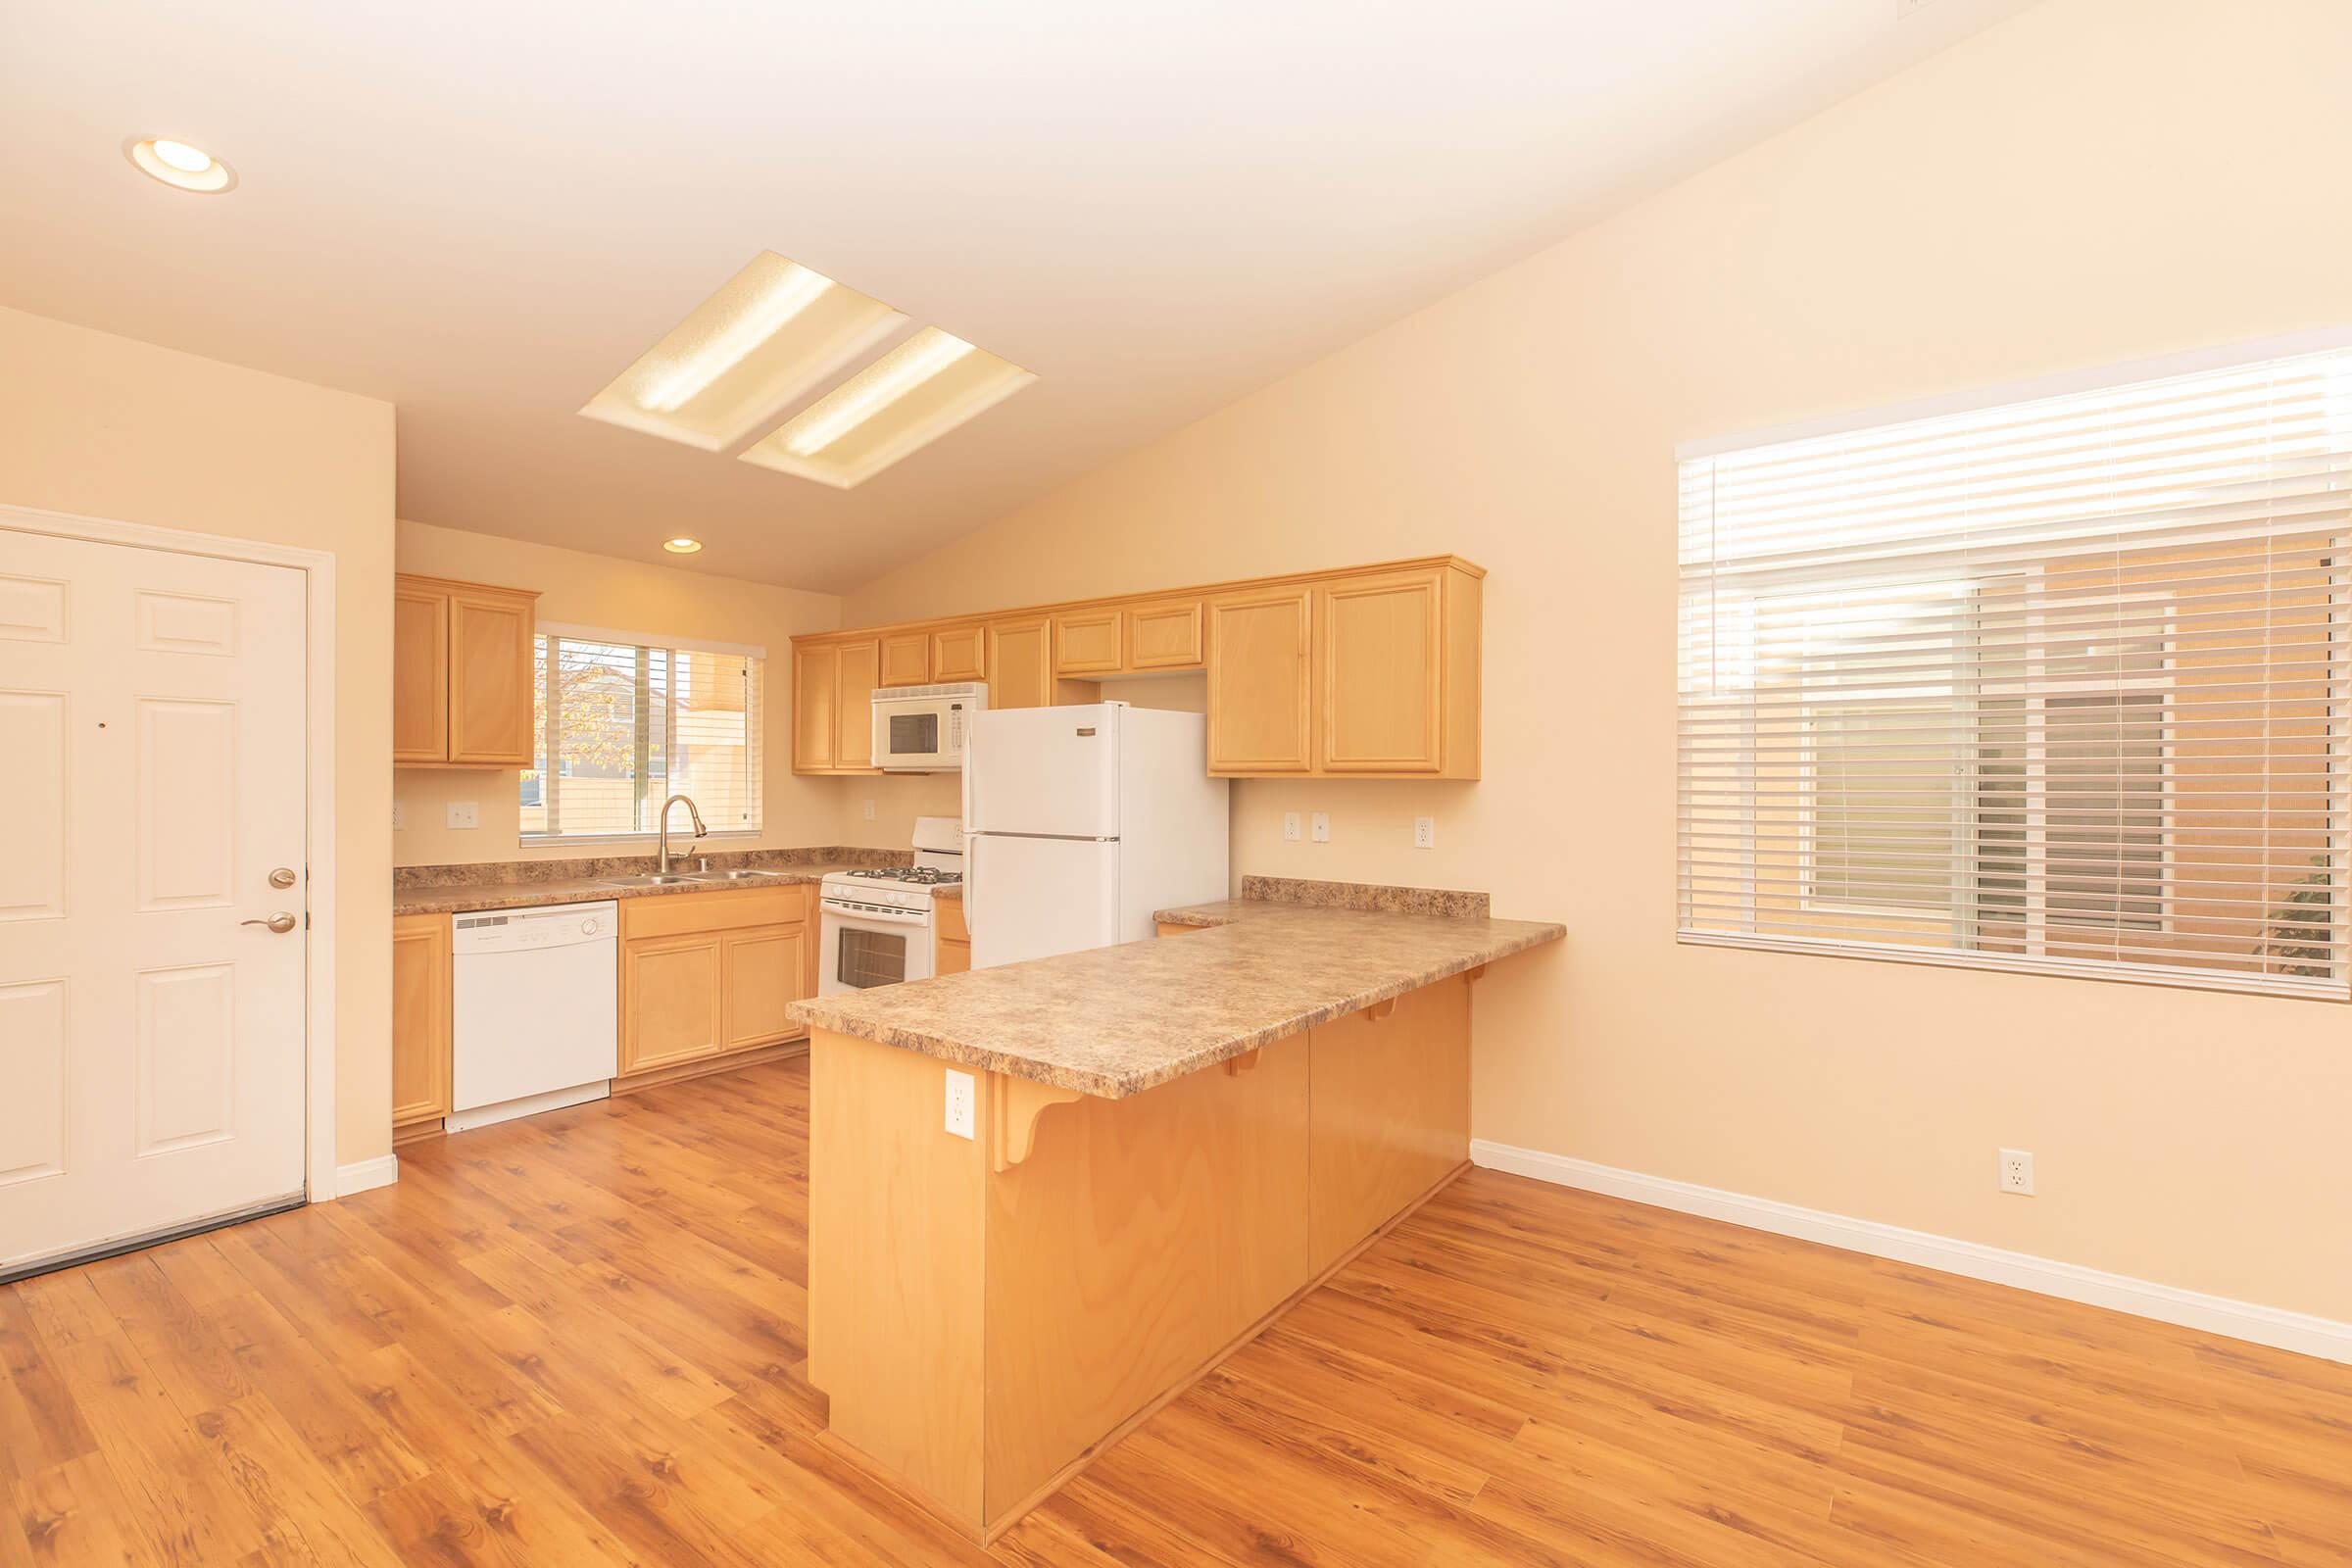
(1044, 1197)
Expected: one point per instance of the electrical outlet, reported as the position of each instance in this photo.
(1322, 827)
(1290, 828)
(1425, 832)
(869, 808)
(400, 816)
(2017, 1172)
(465, 813)
(960, 1090)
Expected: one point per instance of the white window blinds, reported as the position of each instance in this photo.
(2057, 685)
(625, 722)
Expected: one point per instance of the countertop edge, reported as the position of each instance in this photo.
(1106, 1087)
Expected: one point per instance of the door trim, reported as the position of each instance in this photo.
(319, 731)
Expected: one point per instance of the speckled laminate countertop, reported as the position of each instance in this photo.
(1116, 1021)
(526, 884)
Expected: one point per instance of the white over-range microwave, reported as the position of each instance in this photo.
(921, 729)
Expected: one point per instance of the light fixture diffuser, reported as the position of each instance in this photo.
(771, 333)
(900, 403)
(180, 166)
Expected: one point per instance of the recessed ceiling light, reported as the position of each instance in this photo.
(771, 333)
(180, 166)
(902, 402)
(682, 546)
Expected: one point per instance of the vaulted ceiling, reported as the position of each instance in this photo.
(484, 212)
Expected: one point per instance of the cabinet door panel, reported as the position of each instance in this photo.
(1165, 636)
(953, 958)
(1259, 681)
(853, 705)
(1390, 1113)
(815, 672)
(906, 659)
(490, 679)
(760, 975)
(420, 675)
(960, 654)
(669, 1001)
(420, 1017)
(1018, 653)
(1379, 666)
(1087, 643)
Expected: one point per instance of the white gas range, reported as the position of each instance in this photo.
(877, 924)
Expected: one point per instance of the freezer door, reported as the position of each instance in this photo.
(1043, 771)
(1033, 898)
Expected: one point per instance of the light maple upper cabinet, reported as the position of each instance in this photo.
(420, 1020)
(420, 675)
(462, 676)
(1019, 653)
(1165, 636)
(906, 659)
(1359, 672)
(815, 680)
(854, 705)
(1087, 641)
(959, 652)
(1396, 673)
(833, 705)
(1260, 690)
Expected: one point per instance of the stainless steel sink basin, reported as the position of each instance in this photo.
(650, 879)
(733, 876)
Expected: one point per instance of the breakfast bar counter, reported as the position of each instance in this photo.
(1045, 1198)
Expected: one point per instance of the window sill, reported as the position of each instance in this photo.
(2147, 974)
(540, 841)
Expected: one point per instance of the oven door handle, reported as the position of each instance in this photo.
(880, 916)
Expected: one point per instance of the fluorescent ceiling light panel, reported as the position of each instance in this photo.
(900, 403)
(773, 330)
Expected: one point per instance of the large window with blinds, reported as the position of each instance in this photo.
(625, 721)
(2057, 683)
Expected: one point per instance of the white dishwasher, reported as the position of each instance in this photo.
(534, 1007)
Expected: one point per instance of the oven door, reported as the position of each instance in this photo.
(864, 946)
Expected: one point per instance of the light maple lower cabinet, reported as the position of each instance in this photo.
(952, 939)
(705, 975)
(463, 676)
(420, 1021)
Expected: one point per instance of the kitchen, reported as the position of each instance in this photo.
(1182, 787)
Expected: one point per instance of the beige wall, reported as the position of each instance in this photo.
(2095, 181)
(584, 590)
(108, 428)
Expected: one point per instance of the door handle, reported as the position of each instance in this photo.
(282, 922)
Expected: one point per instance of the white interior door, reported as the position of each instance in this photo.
(152, 759)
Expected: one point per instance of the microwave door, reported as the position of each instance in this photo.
(910, 735)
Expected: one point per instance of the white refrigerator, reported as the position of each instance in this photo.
(1080, 821)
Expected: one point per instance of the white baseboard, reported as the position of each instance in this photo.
(381, 1171)
(2166, 1303)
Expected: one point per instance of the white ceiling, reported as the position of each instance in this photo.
(483, 212)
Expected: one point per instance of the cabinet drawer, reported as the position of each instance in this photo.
(676, 914)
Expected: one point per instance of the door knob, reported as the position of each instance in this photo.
(282, 922)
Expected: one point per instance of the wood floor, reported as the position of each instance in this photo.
(578, 1339)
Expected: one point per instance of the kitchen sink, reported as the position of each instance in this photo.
(651, 879)
(733, 876)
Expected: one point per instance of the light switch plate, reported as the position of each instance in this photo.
(869, 808)
(1322, 827)
(961, 1089)
(465, 813)
(1290, 828)
(400, 816)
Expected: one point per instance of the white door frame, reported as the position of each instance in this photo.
(318, 730)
